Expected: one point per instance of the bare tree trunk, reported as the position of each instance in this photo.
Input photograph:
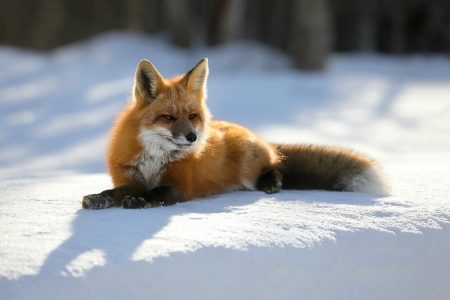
(228, 21)
(395, 12)
(179, 21)
(274, 22)
(144, 15)
(253, 16)
(233, 23)
(367, 25)
(136, 15)
(398, 35)
(50, 23)
(310, 33)
(17, 22)
(154, 15)
(280, 24)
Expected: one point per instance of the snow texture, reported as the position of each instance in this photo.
(55, 111)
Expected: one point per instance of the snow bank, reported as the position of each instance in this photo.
(301, 244)
(55, 112)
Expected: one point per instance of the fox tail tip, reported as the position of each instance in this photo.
(372, 180)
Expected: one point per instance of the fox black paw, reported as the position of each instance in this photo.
(96, 201)
(134, 202)
(269, 182)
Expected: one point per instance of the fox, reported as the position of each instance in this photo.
(164, 148)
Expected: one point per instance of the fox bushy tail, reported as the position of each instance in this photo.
(307, 167)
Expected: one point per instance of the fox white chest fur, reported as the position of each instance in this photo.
(159, 149)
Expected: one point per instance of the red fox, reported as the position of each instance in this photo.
(164, 148)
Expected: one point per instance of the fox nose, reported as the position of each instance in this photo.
(191, 137)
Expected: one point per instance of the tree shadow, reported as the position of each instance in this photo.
(331, 197)
(119, 232)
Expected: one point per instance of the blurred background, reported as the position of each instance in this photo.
(308, 30)
(372, 75)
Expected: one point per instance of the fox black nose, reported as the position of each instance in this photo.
(191, 137)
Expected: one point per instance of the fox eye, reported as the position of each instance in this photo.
(168, 117)
(192, 116)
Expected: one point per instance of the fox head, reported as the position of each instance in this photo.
(172, 112)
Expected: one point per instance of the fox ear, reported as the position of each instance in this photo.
(148, 82)
(195, 79)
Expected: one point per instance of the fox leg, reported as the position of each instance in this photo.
(161, 195)
(128, 181)
(269, 182)
(113, 197)
(131, 191)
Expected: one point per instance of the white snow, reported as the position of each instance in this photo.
(55, 111)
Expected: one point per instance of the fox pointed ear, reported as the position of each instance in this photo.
(148, 83)
(195, 79)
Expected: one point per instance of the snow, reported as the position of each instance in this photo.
(55, 113)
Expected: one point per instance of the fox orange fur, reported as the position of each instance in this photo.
(164, 148)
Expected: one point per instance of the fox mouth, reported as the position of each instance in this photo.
(181, 145)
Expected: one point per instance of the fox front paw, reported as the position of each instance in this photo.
(134, 202)
(96, 201)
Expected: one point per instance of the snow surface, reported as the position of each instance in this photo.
(55, 111)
